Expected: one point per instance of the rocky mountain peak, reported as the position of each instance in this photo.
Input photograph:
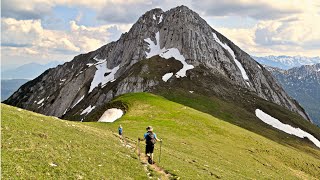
(180, 35)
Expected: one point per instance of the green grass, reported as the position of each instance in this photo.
(242, 114)
(31, 142)
(199, 146)
(196, 145)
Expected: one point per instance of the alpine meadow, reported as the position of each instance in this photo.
(171, 98)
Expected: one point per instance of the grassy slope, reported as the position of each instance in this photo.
(196, 146)
(245, 117)
(31, 142)
(199, 146)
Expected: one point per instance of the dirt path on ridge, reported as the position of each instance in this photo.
(149, 168)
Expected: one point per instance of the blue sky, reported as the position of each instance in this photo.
(42, 31)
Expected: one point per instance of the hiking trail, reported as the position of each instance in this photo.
(149, 168)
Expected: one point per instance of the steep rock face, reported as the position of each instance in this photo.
(92, 79)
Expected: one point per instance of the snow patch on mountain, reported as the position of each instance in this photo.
(160, 19)
(111, 115)
(166, 77)
(88, 110)
(65, 112)
(259, 66)
(99, 76)
(90, 64)
(154, 49)
(41, 101)
(225, 46)
(78, 101)
(99, 60)
(266, 118)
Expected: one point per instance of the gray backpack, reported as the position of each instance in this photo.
(150, 139)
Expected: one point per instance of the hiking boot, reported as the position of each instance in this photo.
(150, 161)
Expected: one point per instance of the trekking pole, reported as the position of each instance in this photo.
(138, 149)
(160, 150)
(124, 139)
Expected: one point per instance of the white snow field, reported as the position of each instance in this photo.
(87, 110)
(111, 115)
(168, 53)
(266, 118)
(166, 77)
(99, 76)
(225, 46)
(160, 20)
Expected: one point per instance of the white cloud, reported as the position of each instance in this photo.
(257, 9)
(27, 39)
(297, 31)
(129, 12)
(21, 9)
(297, 34)
(282, 27)
(20, 33)
(79, 17)
(37, 9)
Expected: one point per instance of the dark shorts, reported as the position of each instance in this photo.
(149, 149)
(120, 133)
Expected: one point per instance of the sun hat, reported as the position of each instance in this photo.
(149, 128)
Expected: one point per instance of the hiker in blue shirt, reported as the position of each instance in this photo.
(120, 131)
(150, 137)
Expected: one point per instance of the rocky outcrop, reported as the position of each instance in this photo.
(92, 79)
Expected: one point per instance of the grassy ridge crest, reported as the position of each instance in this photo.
(196, 145)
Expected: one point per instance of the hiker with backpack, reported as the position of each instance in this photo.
(151, 138)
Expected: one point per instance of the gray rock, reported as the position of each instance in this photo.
(180, 28)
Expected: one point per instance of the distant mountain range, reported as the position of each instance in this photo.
(9, 86)
(28, 71)
(303, 84)
(287, 62)
(12, 79)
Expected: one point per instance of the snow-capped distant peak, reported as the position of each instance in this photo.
(287, 62)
